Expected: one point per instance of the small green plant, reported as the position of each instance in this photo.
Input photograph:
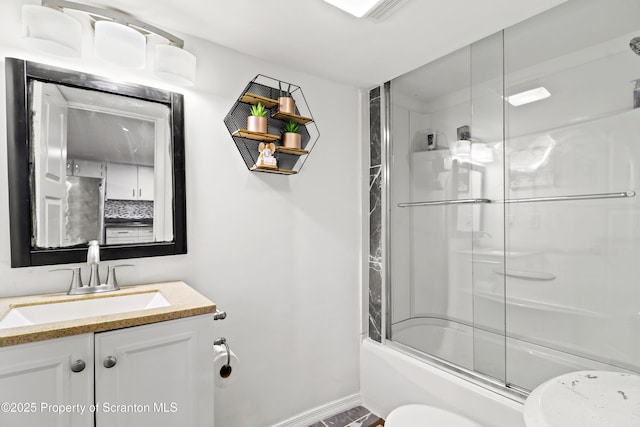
(258, 110)
(290, 127)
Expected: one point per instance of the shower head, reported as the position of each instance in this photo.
(634, 44)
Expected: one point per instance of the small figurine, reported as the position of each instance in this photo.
(266, 159)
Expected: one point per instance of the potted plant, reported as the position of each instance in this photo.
(286, 104)
(290, 135)
(257, 121)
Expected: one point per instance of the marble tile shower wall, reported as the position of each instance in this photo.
(128, 209)
(375, 217)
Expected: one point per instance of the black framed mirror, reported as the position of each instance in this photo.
(90, 158)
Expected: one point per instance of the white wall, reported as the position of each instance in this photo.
(279, 254)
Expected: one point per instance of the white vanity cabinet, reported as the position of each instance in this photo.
(157, 375)
(160, 375)
(129, 182)
(38, 379)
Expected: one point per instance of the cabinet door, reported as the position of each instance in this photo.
(122, 182)
(119, 235)
(88, 168)
(37, 376)
(161, 375)
(145, 183)
(145, 234)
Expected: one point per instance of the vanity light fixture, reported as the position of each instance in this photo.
(528, 96)
(174, 64)
(372, 9)
(119, 44)
(51, 30)
(119, 38)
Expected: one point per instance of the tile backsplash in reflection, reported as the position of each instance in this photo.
(128, 209)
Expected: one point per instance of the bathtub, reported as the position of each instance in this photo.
(390, 378)
(528, 364)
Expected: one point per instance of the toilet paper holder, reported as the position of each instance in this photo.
(225, 370)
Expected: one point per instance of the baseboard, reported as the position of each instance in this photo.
(321, 412)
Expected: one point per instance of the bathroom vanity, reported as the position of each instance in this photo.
(144, 360)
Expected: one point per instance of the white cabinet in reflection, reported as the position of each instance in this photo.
(145, 183)
(129, 182)
(85, 168)
(122, 182)
(125, 235)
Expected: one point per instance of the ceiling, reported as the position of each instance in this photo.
(541, 47)
(315, 37)
(112, 128)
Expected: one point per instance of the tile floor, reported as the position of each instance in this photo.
(354, 417)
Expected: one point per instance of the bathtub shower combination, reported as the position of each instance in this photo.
(511, 216)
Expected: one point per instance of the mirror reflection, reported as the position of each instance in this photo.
(101, 168)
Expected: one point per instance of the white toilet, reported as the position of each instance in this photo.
(426, 416)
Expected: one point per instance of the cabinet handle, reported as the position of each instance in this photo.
(78, 366)
(110, 362)
(140, 192)
(133, 192)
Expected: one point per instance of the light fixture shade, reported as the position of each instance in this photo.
(174, 64)
(119, 44)
(51, 30)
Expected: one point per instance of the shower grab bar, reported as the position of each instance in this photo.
(527, 275)
(444, 202)
(594, 196)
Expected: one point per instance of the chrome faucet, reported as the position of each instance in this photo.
(94, 286)
(93, 259)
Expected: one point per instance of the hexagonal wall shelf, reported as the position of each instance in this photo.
(267, 91)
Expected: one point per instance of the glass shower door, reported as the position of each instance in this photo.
(514, 219)
(573, 219)
(431, 218)
(447, 234)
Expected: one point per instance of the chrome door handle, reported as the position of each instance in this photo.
(110, 362)
(78, 366)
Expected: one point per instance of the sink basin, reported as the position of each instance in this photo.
(61, 311)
